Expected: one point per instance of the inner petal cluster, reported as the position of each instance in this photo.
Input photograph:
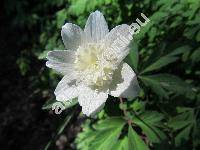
(94, 65)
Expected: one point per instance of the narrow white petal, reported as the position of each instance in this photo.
(66, 88)
(96, 27)
(118, 41)
(66, 56)
(61, 60)
(91, 100)
(125, 83)
(72, 36)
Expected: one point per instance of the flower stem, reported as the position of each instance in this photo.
(125, 112)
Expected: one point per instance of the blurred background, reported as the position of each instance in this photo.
(29, 29)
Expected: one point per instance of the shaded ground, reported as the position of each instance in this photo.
(23, 124)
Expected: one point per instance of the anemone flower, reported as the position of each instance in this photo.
(92, 66)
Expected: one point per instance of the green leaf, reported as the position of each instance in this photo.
(183, 109)
(158, 16)
(181, 120)
(66, 104)
(121, 144)
(108, 132)
(151, 117)
(178, 124)
(180, 50)
(48, 104)
(191, 31)
(23, 64)
(152, 34)
(160, 83)
(149, 122)
(85, 138)
(134, 140)
(133, 56)
(77, 7)
(43, 55)
(60, 129)
(138, 106)
(60, 17)
(195, 56)
(183, 136)
(163, 61)
(155, 86)
(198, 37)
(183, 123)
(173, 83)
(70, 103)
(104, 136)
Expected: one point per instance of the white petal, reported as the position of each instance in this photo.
(66, 56)
(66, 89)
(61, 60)
(91, 100)
(72, 36)
(125, 83)
(118, 41)
(96, 27)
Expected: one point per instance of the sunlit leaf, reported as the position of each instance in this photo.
(149, 122)
(134, 141)
(104, 135)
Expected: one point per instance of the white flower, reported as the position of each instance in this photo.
(91, 65)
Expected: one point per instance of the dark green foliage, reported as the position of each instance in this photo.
(104, 135)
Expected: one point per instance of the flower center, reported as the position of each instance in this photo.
(93, 65)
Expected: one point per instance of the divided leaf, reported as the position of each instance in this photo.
(165, 60)
(104, 136)
(161, 83)
(150, 122)
(155, 86)
(134, 141)
(181, 125)
(121, 144)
